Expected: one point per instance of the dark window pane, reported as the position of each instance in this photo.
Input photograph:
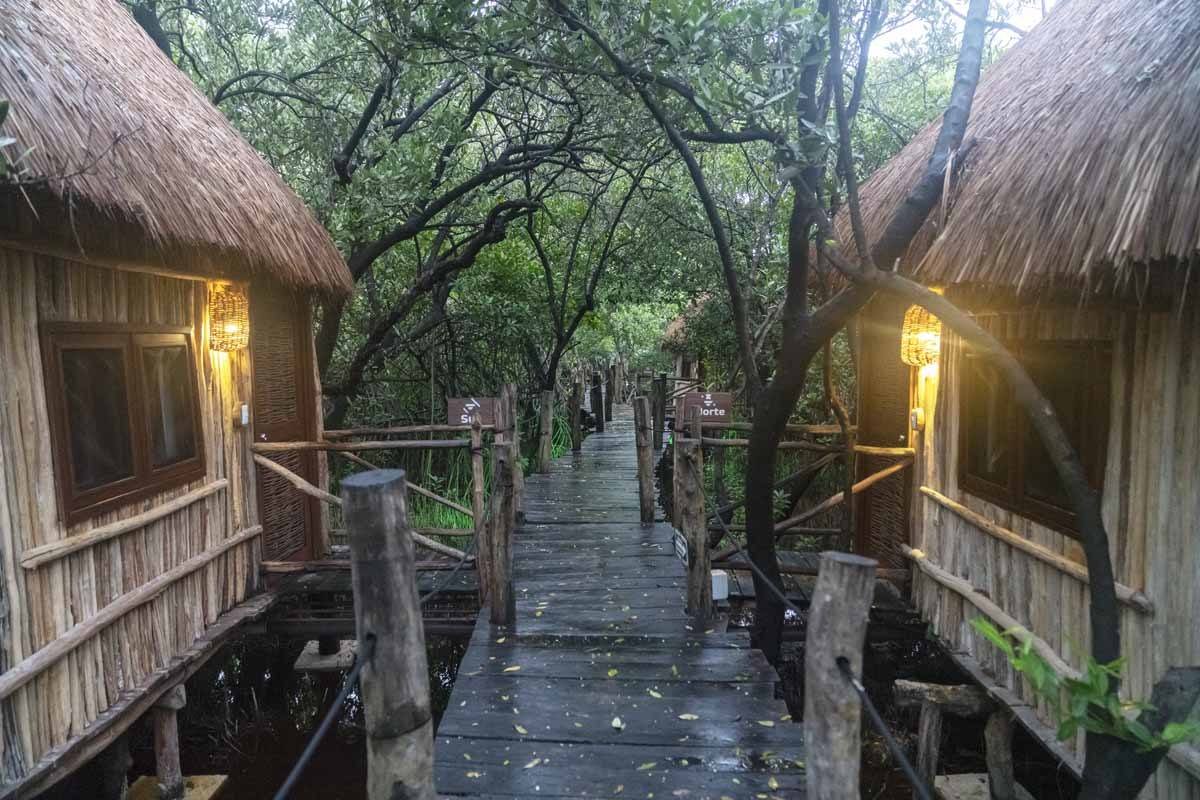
(94, 382)
(1065, 375)
(989, 440)
(168, 404)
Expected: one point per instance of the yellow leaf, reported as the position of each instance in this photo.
(533, 763)
(472, 774)
(773, 784)
(654, 694)
(520, 730)
(512, 669)
(612, 673)
(647, 765)
(688, 717)
(767, 723)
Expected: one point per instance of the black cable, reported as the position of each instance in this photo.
(425, 598)
(364, 654)
(882, 729)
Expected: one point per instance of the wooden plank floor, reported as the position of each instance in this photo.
(603, 688)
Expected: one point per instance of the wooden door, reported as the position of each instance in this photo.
(284, 396)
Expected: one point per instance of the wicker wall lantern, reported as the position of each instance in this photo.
(229, 318)
(920, 338)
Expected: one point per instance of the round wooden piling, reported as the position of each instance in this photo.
(387, 611)
(837, 628)
(645, 459)
(690, 486)
(576, 412)
(597, 403)
(545, 432)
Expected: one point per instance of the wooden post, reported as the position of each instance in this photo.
(645, 459)
(690, 462)
(597, 403)
(997, 738)
(660, 409)
(576, 409)
(514, 416)
(479, 521)
(502, 518)
(929, 743)
(164, 718)
(545, 432)
(610, 376)
(837, 627)
(395, 678)
(114, 763)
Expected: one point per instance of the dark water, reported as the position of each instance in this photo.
(249, 715)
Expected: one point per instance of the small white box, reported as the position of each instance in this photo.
(720, 585)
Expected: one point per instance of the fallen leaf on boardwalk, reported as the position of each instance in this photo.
(512, 669)
(688, 717)
(620, 788)
(618, 724)
(537, 613)
(654, 694)
(520, 730)
(767, 723)
(533, 763)
(501, 640)
(772, 783)
(467, 756)
(612, 673)
(647, 765)
(675, 670)
(472, 774)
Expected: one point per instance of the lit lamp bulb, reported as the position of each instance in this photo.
(228, 312)
(920, 337)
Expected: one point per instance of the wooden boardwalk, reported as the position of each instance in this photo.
(603, 689)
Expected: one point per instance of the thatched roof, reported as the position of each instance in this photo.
(1086, 167)
(157, 172)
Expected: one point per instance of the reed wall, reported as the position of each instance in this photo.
(1151, 505)
(64, 595)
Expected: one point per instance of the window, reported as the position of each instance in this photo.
(124, 408)
(1001, 456)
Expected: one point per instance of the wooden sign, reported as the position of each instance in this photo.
(459, 410)
(714, 406)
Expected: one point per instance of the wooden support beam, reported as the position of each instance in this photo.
(840, 497)
(811, 447)
(395, 676)
(509, 391)
(929, 743)
(997, 741)
(810, 430)
(164, 719)
(478, 515)
(502, 520)
(690, 488)
(837, 629)
(609, 388)
(575, 412)
(349, 447)
(659, 409)
(409, 429)
(412, 487)
(597, 403)
(961, 700)
(34, 557)
(645, 466)
(1130, 597)
(315, 491)
(872, 450)
(545, 432)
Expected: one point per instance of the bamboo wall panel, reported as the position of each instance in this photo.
(1151, 506)
(49, 598)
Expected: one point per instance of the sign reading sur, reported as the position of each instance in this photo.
(714, 406)
(460, 410)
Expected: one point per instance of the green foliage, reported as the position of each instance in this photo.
(1087, 703)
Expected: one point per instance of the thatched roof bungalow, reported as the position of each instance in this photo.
(1072, 234)
(155, 286)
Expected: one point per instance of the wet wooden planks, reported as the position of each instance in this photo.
(605, 687)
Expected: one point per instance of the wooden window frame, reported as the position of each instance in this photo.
(1013, 496)
(79, 505)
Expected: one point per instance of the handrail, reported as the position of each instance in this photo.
(34, 557)
(1125, 594)
(344, 433)
(30, 667)
(320, 494)
(398, 444)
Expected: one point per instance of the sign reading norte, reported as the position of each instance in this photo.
(714, 406)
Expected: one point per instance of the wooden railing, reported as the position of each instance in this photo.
(504, 442)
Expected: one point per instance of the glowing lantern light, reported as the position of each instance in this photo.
(229, 315)
(920, 338)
